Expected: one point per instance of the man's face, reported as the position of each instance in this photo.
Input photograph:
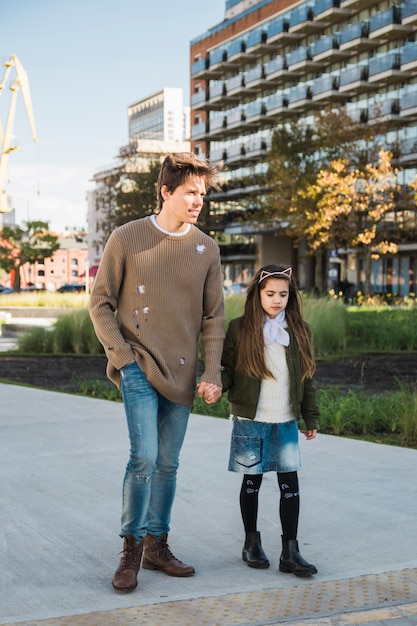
(185, 203)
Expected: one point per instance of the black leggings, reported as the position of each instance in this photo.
(289, 505)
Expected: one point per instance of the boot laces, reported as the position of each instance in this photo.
(164, 551)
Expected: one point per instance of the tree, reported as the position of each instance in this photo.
(300, 150)
(126, 196)
(31, 244)
(350, 209)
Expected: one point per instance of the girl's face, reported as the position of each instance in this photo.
(274, 296)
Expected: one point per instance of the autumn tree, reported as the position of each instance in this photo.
(351, 207)
(32, 243)
(300, 149)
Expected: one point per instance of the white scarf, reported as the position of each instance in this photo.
(274, 330)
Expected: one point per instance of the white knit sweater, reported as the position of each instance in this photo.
(274, 399)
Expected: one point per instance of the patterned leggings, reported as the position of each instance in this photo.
(289, 506)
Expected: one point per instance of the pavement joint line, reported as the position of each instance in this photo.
(342, 602)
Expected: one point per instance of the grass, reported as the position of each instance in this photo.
(337, 331)
(45, 299)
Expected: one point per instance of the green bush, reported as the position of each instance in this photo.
(357, 414)
(72, 333)
(327, 319)
(37, 341)
(382, 329)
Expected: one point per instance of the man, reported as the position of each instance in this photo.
(159, 286)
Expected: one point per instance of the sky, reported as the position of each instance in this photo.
(86, 62)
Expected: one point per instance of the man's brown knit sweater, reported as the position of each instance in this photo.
(152, 296)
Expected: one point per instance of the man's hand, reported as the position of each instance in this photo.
(210, 392)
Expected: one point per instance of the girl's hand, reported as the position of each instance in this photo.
(309, 434)
(210, 392)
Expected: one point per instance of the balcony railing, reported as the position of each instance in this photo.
(217, 56)
(385, 18)
(235, 118)
(276, 65)
(255, 111)
(354, 31)
(217, 90)
(409, 54)
(198, 67)
(235, 150)
(236, 47)
(257, 147)
(303, 53)
(384, 63)
(199, 130)
(389, 107)
(325, 43)
(256, 41)
(277, 27)
(299, 93)
(198, 98)
(409, 12)
(235, 82)
(301, 14)
(353, 74)
(409, 104)
(325, 83)
(254, 74)
(235, 87)
(217, 123)
(324, 5)
(275, 103)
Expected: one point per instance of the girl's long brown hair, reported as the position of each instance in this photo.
(250, 358)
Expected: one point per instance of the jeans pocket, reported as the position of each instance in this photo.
(247, 450)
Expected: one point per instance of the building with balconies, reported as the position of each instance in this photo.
(273, 60)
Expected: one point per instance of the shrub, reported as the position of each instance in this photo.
(327, 320)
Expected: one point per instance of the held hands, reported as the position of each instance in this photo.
(309, 434)
(210, 392)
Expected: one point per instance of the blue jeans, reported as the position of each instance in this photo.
(156, 430)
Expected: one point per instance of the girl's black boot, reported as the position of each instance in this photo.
(291, 560)
(253, 552)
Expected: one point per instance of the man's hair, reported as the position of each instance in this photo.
(177, 167)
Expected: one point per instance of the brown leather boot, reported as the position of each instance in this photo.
(157, 555)
(125, 577)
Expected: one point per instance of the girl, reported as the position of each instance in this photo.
(268, 368)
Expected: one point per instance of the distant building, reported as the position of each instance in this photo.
(157, 125)
(272, 60)
(68, 265)
(161, 116)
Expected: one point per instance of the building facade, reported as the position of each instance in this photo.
(67, 266)
(272, 60)
(161, 116)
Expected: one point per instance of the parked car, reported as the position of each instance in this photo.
(72, 288)
(236, 288)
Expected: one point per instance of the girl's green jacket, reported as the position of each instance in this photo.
(243, 391)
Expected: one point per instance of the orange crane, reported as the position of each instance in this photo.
(20, 82)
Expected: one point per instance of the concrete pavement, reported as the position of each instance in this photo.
(62, 460)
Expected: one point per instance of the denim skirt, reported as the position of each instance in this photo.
(259, 447)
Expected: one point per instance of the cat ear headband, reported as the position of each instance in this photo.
(284, 274)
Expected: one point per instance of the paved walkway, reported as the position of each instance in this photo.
(62, 460)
